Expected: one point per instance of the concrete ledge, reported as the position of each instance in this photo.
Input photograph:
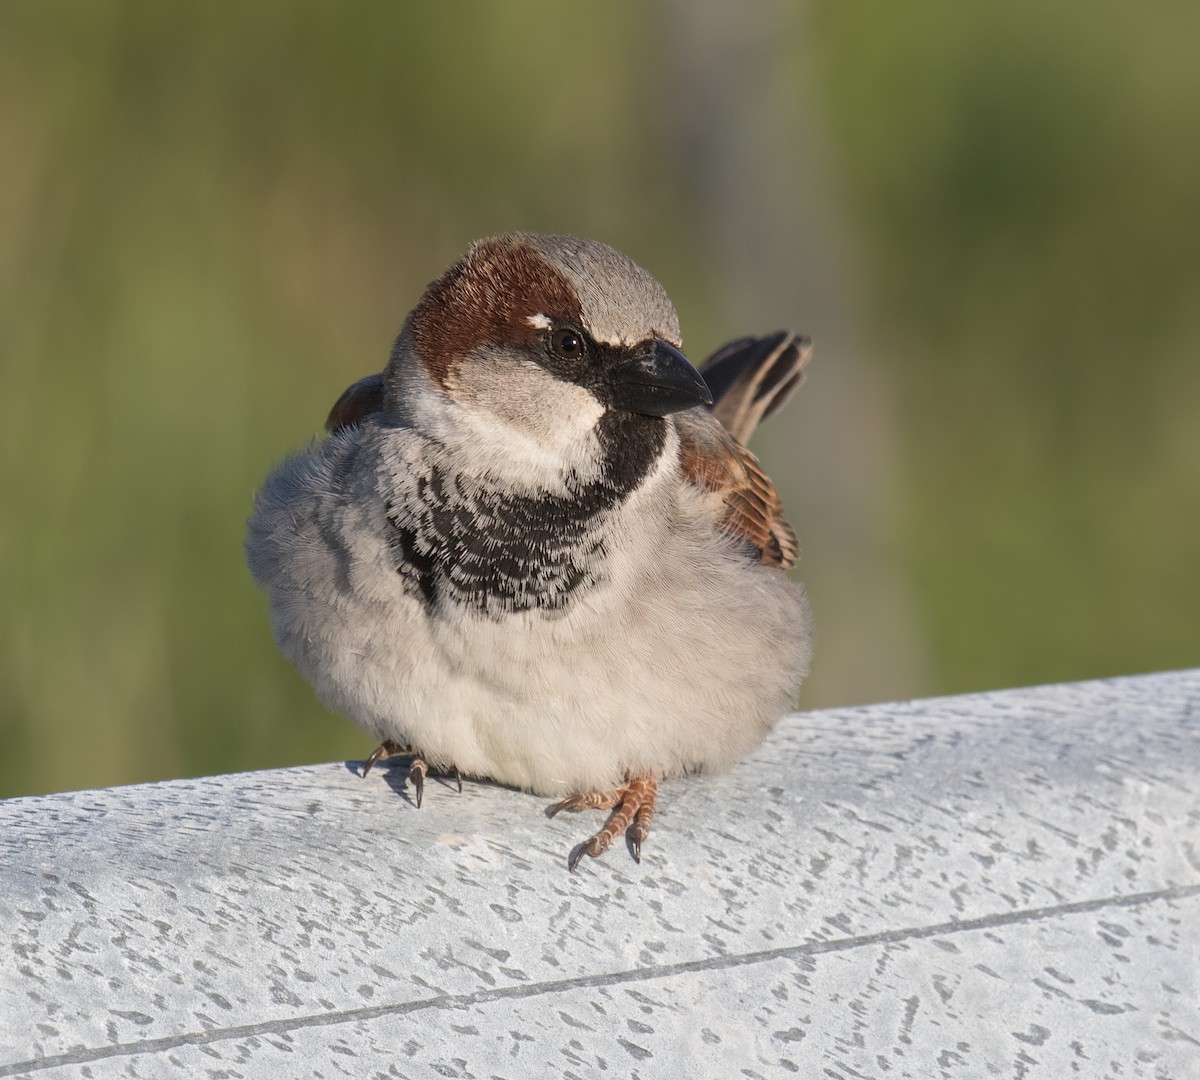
(1002, 884)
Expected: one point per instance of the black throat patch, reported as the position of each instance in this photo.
(460, 541)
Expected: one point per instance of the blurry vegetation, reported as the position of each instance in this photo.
(213, 218)
(1026, 182)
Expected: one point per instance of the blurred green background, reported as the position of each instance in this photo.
(213, 217)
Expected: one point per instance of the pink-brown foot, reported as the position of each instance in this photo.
(634, 810)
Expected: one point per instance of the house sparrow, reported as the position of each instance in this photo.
(534, 549)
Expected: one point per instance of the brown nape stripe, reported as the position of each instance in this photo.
(488, 296)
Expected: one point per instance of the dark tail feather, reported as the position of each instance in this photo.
(752, 377)
(356, 403)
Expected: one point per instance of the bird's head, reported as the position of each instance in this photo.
(545, 335)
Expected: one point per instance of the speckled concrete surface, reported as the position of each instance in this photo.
(995, 885)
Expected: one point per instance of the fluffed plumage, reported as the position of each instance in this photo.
(530, 552)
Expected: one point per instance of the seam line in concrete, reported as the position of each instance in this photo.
(85, 1055)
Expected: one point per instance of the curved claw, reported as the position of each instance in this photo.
(566, 804)
(384, 750)
(594, 846)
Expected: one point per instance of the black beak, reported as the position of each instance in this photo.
(661, 382)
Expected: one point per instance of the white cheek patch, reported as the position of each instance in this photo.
(515, 421)
(536, 444)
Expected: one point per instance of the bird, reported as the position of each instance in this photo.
(535, 550)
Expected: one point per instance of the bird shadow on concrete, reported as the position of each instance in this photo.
(394, 771)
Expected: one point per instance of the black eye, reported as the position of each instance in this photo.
(567, 343)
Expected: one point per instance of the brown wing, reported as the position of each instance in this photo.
(356, 403)
(743, 496)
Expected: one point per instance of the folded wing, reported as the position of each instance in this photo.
(749, 378)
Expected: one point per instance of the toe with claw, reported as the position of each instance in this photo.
(633, 810)
(417, 770)
(416, 776)
(382, 752)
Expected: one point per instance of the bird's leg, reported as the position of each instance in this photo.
(384, 750)
(416, 777)
(634, 810)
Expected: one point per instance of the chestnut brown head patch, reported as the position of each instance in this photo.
(488, 296)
